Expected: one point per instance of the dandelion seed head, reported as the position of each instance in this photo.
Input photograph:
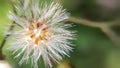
(42, 34)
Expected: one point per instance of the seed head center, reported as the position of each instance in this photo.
(38, 33)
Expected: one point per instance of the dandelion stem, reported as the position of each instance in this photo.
(4, 41)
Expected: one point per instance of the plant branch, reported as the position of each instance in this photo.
(92, 23)
(85, 22)
(111, 34)
(104, 26)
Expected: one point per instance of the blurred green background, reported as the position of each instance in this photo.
(93, 48)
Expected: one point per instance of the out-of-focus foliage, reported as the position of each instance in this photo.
(4, 7)
(93, 49)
